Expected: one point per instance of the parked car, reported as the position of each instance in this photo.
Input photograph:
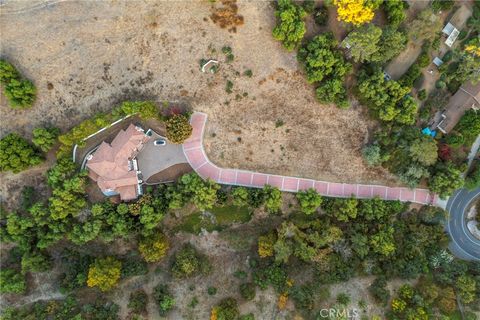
(160, 142)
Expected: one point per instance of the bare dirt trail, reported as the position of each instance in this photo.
(87, 56)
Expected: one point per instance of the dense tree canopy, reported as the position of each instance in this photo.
(387, 98)
(290, 26)
(20, 92)
(325, 65)
(446, 179)
(45, 138)
(17, 154)
(363, 42)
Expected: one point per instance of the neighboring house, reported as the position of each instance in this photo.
(467, 97)
(456, 23)
(114, 166)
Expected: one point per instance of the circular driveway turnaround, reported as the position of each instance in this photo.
(198, 160)
(464, 245)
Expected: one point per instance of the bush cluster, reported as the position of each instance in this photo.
(20, 92)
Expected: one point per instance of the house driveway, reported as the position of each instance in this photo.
(153, 159)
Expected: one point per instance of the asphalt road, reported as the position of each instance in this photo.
(464, 245)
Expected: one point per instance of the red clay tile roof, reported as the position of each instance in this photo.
(110, 164)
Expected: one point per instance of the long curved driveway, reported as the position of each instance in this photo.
(464, 245)
(198, 160)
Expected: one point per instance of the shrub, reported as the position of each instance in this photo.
(45, 138)
(379, 290)
(371, 154)
(440, 84)
(227, 309)
(423, 60)
(21, 93)
(154, 247)
(304, 296)
(446, 179)
(163, 298)
(240, 196)
(247, 290)
(343, 299)
(273, 199)
(178, 128)
(12, 281)
(104, 273)
(442, 5)
(133, 266)
(138, 301)
(309, 200)
(145, 109)
(473, 178)
(36, 262)
(290, 26)
(321, 16)
(17, 154)
(411, 75)
(211, 291)
(248, 316)
(395, 11)
(422, 94)
(265, 244)
(188, 262)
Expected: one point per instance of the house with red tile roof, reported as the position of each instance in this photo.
(114, 166)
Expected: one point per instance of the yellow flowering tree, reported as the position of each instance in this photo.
(104, 273)
(356, 12)
(153, 248)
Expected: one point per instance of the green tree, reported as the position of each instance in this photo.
(383, 242)
(445, 180)
(45, 138)
(322, 60)
(391, 44)
(344, 209)
(64, 169)
(84, 232)
(35, 261)
(188, 262)
(20, 92)
(203, 193)
(424, 150)
(273, 199)
(240, 196)
(472, 181)
(290, 26)
(12, 281)
(227, 309)
(387, 99)
(395, 10)
(178, 128)
(163, 298)
(138, 301)
(104, 273)
(333, 91)
(247, 290)
(309, 200)
(363, 42)
(17, 154)
(154, 247)
(466, 286)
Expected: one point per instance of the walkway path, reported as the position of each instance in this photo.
(195, 154)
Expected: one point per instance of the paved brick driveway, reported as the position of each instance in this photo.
(195, 154)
